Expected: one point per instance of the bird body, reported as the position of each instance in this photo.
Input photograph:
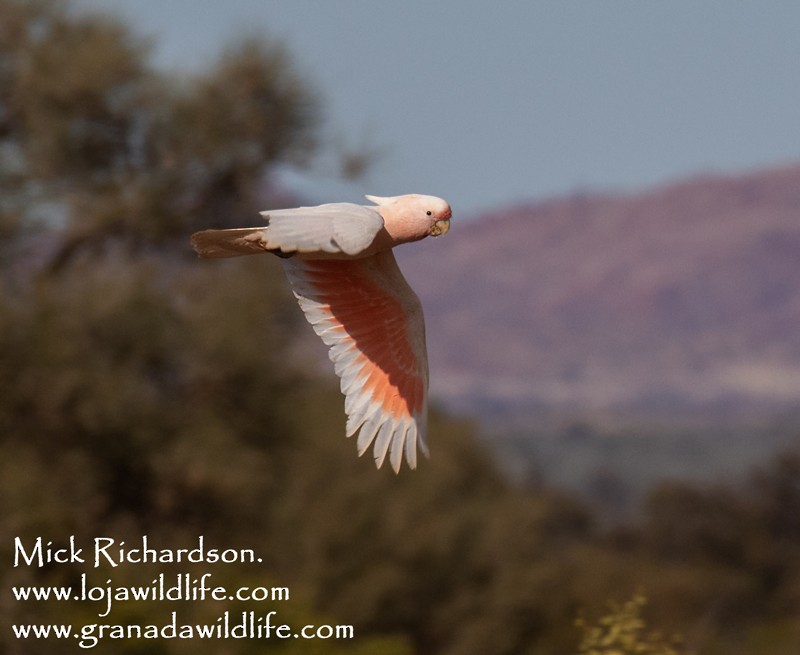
(339, 263)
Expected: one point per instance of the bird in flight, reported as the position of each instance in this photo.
(338, 259)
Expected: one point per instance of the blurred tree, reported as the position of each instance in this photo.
(774, 548)
(686, 524)
(776, 490)
(96, 143)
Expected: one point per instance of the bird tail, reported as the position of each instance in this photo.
(215, 244)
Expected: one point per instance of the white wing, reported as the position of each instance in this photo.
(334, 228)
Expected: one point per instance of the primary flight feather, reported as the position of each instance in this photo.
(338, 259)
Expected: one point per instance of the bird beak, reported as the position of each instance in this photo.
(440, 227)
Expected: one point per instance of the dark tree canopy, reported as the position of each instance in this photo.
(95, 141)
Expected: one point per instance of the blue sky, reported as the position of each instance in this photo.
(489, 104)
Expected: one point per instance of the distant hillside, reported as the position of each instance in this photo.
(685, 297)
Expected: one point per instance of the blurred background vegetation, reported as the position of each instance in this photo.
(146, 393)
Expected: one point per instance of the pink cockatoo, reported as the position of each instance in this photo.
(338, 258)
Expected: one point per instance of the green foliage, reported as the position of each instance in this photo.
(624, 632)
(94, 140)
(144, 392)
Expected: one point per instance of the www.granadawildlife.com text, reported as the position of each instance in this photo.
(250, 626)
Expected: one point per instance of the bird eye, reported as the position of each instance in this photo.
(429, 212)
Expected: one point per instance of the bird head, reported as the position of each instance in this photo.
(429, 215)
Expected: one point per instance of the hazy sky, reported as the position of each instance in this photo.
(493, 103)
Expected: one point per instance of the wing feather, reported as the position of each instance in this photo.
(386, 435)
(396, 447)
(334, 228)
(364, 310)
(337, 227)
(411, 446)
